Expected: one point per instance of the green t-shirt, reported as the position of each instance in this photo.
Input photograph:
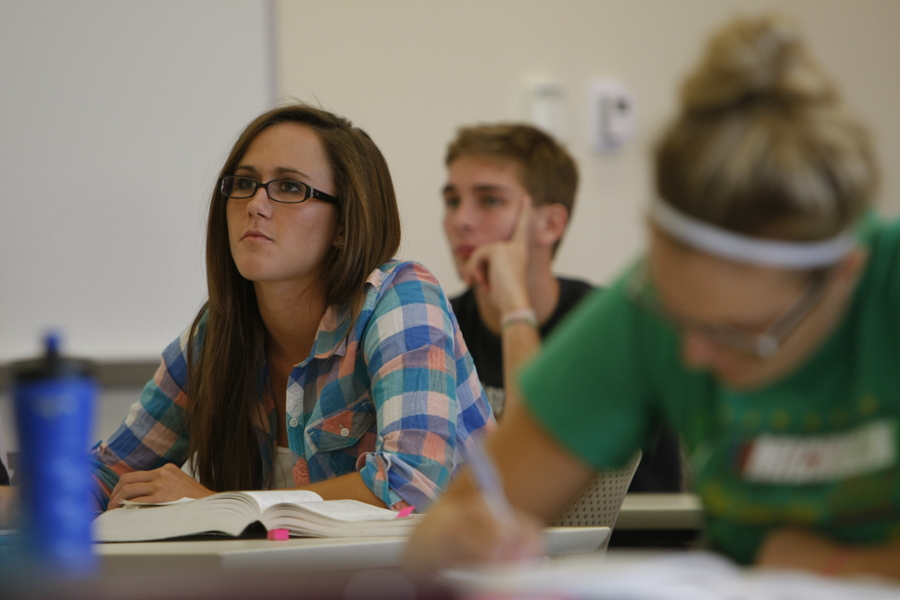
(816, 450)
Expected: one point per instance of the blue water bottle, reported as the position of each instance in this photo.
(55, 398)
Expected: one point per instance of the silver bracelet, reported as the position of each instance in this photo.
(523, 315)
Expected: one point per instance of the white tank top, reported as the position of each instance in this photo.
(282, 469)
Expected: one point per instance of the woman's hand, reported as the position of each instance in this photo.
(795, 549)
(807, 551)
(165, 484)
(9, 499)
(462, 531)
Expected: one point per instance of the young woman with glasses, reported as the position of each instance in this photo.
(317, 362)
(763, 324)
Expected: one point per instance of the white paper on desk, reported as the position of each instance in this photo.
(683, 576)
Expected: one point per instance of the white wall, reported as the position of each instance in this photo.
(97, 95)
(410, 72)
(114, 120)
(101, 101)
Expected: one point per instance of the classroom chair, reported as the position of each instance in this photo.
(599, 503)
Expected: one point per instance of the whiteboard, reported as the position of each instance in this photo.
(115, 118)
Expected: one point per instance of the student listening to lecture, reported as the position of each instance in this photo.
(763, 323)
(317, 362)
(508, 200)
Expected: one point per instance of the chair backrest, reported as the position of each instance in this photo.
(599, 503)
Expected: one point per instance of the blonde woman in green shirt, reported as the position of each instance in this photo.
(763, 324)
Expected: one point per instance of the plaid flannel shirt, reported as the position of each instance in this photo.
(393, 395)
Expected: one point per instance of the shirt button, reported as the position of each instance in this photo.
(345, 432)
(293, 422)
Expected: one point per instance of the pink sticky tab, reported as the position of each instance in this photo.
(405, 512)
(278, 535)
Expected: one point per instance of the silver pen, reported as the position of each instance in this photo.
(488, 482)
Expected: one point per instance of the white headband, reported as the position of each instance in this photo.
(742, 248)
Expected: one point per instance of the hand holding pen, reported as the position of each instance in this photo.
(479, 527)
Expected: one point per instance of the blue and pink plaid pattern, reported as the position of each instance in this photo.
(393, 395)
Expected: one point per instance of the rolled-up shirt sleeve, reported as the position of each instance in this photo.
(409, 348)
(153, 434)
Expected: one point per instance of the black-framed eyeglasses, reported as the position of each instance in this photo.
(285, 191)
(761, 344)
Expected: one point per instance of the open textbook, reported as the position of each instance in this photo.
(301, 512)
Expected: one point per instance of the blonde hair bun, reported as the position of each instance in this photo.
(763, 144)
(757, 60)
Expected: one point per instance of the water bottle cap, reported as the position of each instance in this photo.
(52, 342)
(52, 365)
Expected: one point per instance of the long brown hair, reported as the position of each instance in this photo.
(225, 385)
(763, 144)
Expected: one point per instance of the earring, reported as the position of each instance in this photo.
(339, 242)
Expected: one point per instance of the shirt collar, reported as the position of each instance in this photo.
(334, 328)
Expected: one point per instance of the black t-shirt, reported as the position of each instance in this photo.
(485, 347)
(660, 468)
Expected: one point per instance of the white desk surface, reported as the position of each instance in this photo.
(660, 511)
(308, 554)
(659, 575)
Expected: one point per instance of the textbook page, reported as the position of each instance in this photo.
(352, 511)
(268, 498)
(264, 499)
